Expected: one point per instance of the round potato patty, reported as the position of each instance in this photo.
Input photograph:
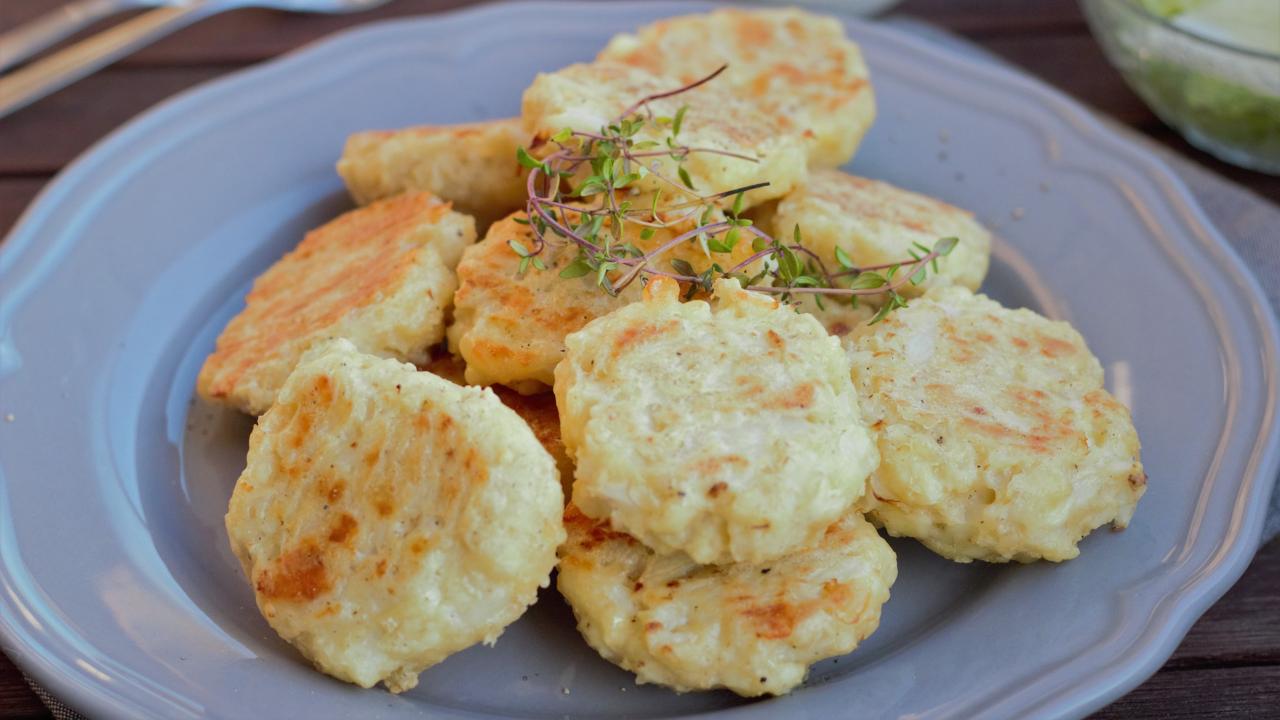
(729, 431)
(388, 518)
(589, 97)
(753, 628)
(873, 223)
(472, 165)
(997, 440)
(797, 68)
(510, 326)
(381, 276)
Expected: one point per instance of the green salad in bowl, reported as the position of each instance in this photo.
(1210, 68)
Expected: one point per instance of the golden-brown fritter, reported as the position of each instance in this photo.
(588, 97)
(539, 410)
(753, 628)
(997, 439)
(388, 518)
(728, 431)
(836, 313)
(797, 68)
(874, 222)
(380, 276)
(510, 326)
(471, 165)
(540, 413)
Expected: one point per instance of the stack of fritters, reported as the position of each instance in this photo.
(717, 447)
(719, 451)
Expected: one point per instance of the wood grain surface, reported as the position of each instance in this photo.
(1229, 664)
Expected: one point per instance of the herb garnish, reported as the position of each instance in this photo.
(563, 183)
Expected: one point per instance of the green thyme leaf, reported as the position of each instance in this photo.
(881, 314)
(717, 244)
(946, 245)
(684, 178)
(527, 160)
(626, 180)
(731, 238)
(563, 135)
(868, 281)
(682, 267)
(575, 269)
(678, 121)
(518, 247)
(891, 303)
(843, 258)
(789, 265)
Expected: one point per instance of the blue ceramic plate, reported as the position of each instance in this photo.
(118, 591)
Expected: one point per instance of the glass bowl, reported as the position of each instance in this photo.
(1223, 99)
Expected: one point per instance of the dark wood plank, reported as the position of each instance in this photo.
(15, 195)
(1075, 64)
(990, 18)
(1244, 627)
(249, 35)
(47, 135)
(243, 35)
(1227, 693)
(17, 702)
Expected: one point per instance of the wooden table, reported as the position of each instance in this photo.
(1229, 664)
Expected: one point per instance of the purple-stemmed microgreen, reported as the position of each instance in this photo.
(583, 190)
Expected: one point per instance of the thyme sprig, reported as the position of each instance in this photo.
(584, 190)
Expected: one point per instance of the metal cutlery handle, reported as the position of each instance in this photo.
(30, 83)
(53, 27)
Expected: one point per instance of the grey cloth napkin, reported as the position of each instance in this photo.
(1246, 220)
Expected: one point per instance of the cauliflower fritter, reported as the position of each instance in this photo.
(510, 327)
(388, 518)
(381, 276)
(728, 431)
(997, 439)
(836, 314)
(753, 628)
(472, 165)
(588, 97)
(797, 68)
(875, 222)
(539, 411)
